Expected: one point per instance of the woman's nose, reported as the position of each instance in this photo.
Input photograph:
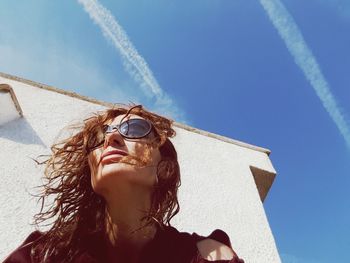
(114, 139)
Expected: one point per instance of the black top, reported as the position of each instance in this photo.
(169, 245)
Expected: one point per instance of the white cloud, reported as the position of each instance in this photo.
(134, 63)
(303, 57)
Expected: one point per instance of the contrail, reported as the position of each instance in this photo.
(303, 57)
(133, 62)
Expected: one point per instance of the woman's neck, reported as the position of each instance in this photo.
(127, 228)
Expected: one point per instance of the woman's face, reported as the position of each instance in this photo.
(109, 174)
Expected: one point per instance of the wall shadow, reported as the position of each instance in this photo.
(20, 131)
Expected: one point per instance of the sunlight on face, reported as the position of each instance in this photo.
(109, 171)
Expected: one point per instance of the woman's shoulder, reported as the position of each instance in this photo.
(22, 253)
(215, 247)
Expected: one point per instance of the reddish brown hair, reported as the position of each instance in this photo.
(77, 211)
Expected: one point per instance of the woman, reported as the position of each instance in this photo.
(115, 185)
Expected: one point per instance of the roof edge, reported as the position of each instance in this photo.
(222, 138)
(111, 105)
(54, 89)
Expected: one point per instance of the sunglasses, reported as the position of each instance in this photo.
(130, 129)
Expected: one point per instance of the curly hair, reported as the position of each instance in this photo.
(76, 210)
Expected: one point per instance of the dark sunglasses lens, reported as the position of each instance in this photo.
(135, 128)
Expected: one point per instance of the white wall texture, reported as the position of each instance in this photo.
(217, 191)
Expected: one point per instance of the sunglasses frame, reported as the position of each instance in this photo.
(112, 128)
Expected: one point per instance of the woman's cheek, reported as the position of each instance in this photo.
(93, 160)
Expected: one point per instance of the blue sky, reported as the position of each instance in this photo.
(271, 73)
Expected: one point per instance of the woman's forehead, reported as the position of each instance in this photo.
(117, 119)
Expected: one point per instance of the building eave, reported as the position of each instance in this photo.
(112, 105)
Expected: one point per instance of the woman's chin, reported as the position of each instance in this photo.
(116, 176)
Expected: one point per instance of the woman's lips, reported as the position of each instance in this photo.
(112, 156)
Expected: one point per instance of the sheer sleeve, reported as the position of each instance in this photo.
(222, 237)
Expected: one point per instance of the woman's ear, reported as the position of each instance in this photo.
(164, 169)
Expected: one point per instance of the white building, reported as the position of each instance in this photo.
(223, 188)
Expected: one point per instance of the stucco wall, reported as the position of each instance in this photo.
(218, 189)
